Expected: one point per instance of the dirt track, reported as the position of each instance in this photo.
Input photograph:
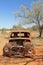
(36, 60)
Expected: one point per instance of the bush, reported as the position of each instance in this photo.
(3, 31)
(34, 28)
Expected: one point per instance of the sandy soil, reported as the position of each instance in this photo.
(38, 43)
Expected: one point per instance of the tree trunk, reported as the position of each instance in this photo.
(40, 32)
(40, 29)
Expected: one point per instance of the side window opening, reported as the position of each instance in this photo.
(28, 40)
(11, 40)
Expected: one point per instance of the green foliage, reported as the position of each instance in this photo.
(3, 31)
(34, 28)
(17, 27)
(32, 15)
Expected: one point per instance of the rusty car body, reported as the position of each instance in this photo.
(19, 44)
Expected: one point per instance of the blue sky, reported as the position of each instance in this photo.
(7, 7)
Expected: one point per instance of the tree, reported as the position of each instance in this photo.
(17, 27)
(32, 15)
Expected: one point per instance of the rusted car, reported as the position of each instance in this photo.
(19, 44)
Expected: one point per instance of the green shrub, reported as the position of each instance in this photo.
(3, 31)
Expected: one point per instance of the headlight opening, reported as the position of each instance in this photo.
(30, 51)
(6, 49)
